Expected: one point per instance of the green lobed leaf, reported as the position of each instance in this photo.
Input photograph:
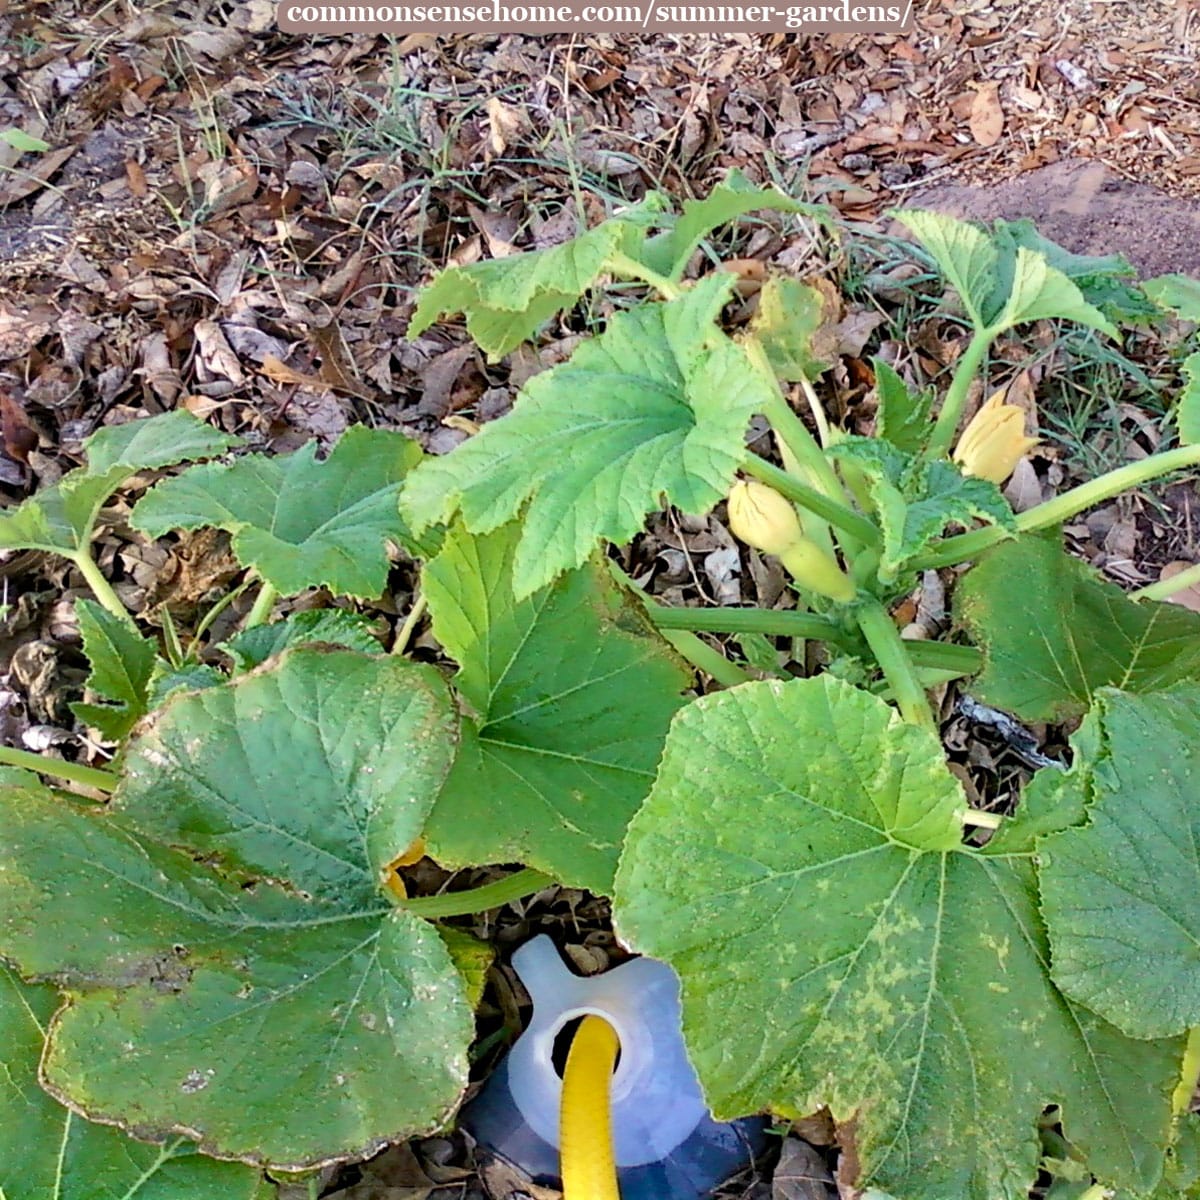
(733, 197)
(154, 442)
(1107, 281)
(903, 415)
(1053, 632)
(1179, 294)
(964, 254)
(236, 967)
(506, 300)
(252, 647)
(653, 410)
(122, 663)
(300, 523)
(789, 313)
(48, 1153)
(190, 677)
(572, 693)
(1000, 290)
(1187, 415)
(59, 519)
(1181, 1179)
(1039, 292)
(916, 500)
(798, 863)
(1121, 894)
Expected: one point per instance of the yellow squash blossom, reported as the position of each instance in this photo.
(994, 441)
(762, 518)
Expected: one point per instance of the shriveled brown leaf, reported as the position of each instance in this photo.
(216, 357)
(801, 1174)
(17, 430)
(987, 116)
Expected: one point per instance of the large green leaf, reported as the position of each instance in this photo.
(654, 408)
(1000, 284)
(506, 299)
(1178, 293)
(1039, 292)
(733, 197)
(963, 253)
(154, 442)
(788, 316)
(1121, 894)
(59, 519)
(1107, 281)
(916, 500)
(237, 970)
(1052, 632)
(122, 663)
(48, 1153)
(299, 522)
(1188, 411)
(799, 864)
(572, 694)
(903, 415)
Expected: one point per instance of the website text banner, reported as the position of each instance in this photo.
(571, 16)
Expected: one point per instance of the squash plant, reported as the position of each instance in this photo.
(243, 976)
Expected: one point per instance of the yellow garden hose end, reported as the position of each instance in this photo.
(643, 1133)
(589, 1170)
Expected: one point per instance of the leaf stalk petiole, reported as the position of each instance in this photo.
(889, 649)
(56, 768)
(101, 588)
(1054, 512)
(480, 899)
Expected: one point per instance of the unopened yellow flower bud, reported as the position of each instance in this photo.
(762, 518)
(994, 441)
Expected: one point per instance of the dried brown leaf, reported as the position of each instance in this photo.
(216, 358)
(18, 433)
(801, 1174)
(987, 116)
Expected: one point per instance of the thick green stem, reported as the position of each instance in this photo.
(889, 649)
(697, 651)
(772, 622)
(101, 588)
(1164, 589)
(980, 818)
(213, 613)
(263, 603)
(824, 433)
(415, 613)
(946, 425)
(480, 899)
(92, 777)
(833, 511)
(944, 656)
(622, 264)
(1189, 1074)
(802, 455)
(704, 658)
(1054, 512)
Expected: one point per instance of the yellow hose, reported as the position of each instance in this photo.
(585, 1121)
